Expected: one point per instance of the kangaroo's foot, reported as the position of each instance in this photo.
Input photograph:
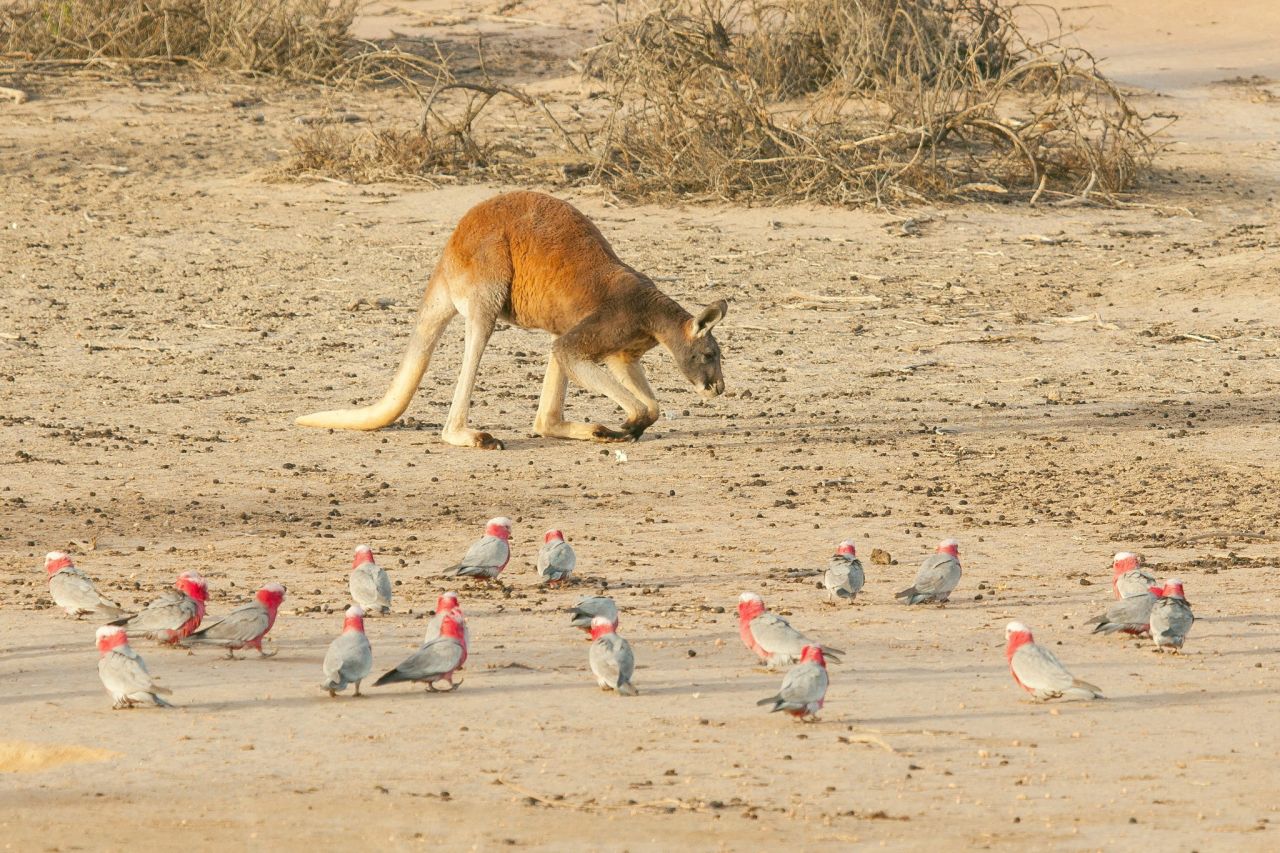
(472, 438)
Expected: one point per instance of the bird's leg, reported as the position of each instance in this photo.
(231, 653)
(333, 694)
(453, 685)
(269, 654)
(431, 688)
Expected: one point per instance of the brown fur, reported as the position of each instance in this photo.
(536, 262)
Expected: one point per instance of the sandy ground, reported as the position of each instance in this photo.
(1048, 401)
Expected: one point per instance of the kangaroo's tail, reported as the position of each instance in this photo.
(437, 311)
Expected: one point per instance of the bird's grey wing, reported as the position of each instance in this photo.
(168, 612)
(364, 588)
(240, 625)
(776, 636)
(349, 658)
(803, 684)
(487, 552)
(1039, 669)
(383, 582)
(433, 660)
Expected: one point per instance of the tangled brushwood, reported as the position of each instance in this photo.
(296, 39)
(857, 101)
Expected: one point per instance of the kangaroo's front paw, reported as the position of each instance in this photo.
(602, 433)
(636, 427)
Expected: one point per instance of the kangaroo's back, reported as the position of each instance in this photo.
(561, 269)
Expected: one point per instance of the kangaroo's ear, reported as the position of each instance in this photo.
(712, 314)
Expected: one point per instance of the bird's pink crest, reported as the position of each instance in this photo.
(364, 554)
(553, 536)
(846, 548)
(813, 654)
(1124, 562)
(499, 527)
(750, 606)
(193, 586)
(354, 619)
(1172, 589)
(600, 626)
(1017, 635)
(56, 561)
(271, 596)
(111, 637)
(950, 546)
(446, 602)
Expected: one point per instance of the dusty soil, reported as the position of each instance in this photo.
(1049, 385)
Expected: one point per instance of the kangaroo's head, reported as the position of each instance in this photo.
(699, 355)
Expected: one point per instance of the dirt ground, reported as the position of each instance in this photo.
(1049, 385)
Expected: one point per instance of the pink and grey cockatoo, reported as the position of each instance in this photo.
(435, 661)
(804, 688)
(585, 611)
(1127, 580)
(447, 605)
(1130, 615)
(611, 658)
(938, 576)
(124, 673)
(771, 637)
(173, 616)
(1171, 617)
(844, 577)
(370, 586)
(349, 659)
(74, 592)
(1038, 671)
(556, 560)
(245, 626)
(488, 555)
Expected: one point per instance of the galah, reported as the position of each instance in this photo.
(938, 576)
(844, 577)
(771, 637)
(611, 658)
(585, 611)
(556, 560)
(1127, 580)
(1130, 615)
(804, 688)
(1038, 671)
(173, 616)
(447, 605)
(349, 659)
(74, 592)
(1171, 617)
(124, 673)
(435, 661)
(370, 586)
(488, 555)
(245, 626)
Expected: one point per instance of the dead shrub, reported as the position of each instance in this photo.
(297, 39)
(857, 101)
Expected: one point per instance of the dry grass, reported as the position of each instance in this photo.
(857, 101)
(295, 39)
(835, 101)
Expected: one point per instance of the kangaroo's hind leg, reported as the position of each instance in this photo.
(479, 328)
